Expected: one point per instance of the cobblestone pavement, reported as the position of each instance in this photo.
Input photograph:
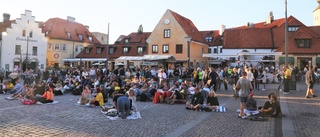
(66, 118)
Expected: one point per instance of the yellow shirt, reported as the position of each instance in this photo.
(195, 73)
(99, 98)
(287, 73)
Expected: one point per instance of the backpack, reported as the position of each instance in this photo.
(143, 97)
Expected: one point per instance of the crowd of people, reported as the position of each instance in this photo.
(195, 87)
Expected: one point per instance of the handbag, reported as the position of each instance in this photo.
(209, 81)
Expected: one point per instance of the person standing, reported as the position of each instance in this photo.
(287, 77)
(244, 86)
(310, 79)
(235, 78)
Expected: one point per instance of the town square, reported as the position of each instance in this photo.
(162, 73)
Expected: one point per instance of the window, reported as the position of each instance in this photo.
(18, 50)
(140, 50)
(165, 49)
(179, 48)
(34, 51)
(23, 33)
(87, 50)
(202, 50)
(111, 50)
(215, 50)
(80, 36)
(77, 48)
(56, 47)
(99, 50)
(209, 39)
(126, 40)
(292, 28)
(42, 66)
(47, 33)
(30, 34)
(125, 50)
(154, 48)
(303, 43)
(220, 50)
(209, 50)
(90, 38)
(166, 33)
(64, 47)
(69, 35)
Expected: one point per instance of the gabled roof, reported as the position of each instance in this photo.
(216, 37)
(302, 33)
(188, 26)
(58, 29)
(5, 25)
(247, 38)
(135, 40)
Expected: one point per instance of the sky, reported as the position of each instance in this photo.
(125, 16)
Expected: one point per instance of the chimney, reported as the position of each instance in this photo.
(87, 26)
(6, 17)
(71, 19)
(222, 28)
(270, 18)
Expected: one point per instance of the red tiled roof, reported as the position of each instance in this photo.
(58, 29)
(302, 33)
(5, 25)
(247, 38)
(188, 26)
(216, 37)
(135, 40)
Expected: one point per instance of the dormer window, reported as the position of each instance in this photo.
(292, 28)
(140, 50)
(111, 50)
(87, 50)
(47, 33)
(126, 40)
(69, 35)
(209, 39)
(90, 38)
(99, 50)
(80, 36)
(125, 50)
(303, 43)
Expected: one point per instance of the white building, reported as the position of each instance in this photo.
(24, 45)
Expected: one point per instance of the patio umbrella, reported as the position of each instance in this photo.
(13, 75)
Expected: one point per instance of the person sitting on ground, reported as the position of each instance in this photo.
(98, 100)
(17, 86)
(174, 94)
(19, 93)
(205, 91)
(144, 88)
(58, 90)
(85, 95)
(196, 100)
(39, 89)
(6, 86)
(132, 98)
(251, 104)
(47, 96)
(271, 108)
(153, 90)
(212, 102)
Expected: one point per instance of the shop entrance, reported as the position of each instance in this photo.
(303, 62)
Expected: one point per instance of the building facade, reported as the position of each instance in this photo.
(66, 39)
(178, 37)
(24, 46)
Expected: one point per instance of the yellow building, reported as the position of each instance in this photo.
(66, 39)
(170, 38)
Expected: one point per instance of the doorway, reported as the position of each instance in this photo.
(303, 62)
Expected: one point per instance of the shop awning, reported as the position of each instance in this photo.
(290, 60)
(130, 58)
(218, 55)
(84, 59)
(156, 57)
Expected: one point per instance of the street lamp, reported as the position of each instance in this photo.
(107, 50)
(188, 41)
(286, 34)
(2, 34)
(27, 58)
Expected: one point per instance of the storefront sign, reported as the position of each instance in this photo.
(26, 39)
(149, 63)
